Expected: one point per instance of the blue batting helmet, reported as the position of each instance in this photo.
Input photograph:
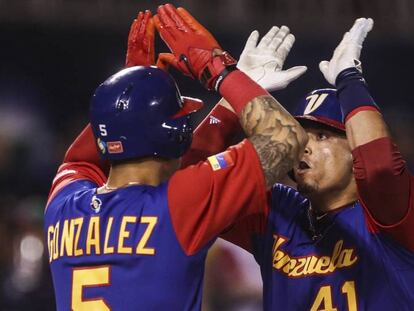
(321, 106)
(139, 112)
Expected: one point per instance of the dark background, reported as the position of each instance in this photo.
(55, 52)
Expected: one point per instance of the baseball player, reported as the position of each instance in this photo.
(345, 240)
(138, 239)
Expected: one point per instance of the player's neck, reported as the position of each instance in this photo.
(333, 199)
(147, 171)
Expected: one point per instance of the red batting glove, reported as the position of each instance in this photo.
(141, 41)
(195, 52)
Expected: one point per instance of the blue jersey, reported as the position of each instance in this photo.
(346, 260)
(108, 249)
(142, 247)
(331, 263)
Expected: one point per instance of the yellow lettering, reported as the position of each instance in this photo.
(323, 298)
(323, 265)
(278, 241)
(89, 277)
(50, 242)
(311, 268)
(305, 268)
(66, 242)
(141, 249)
(279, 264)
(277, 256)
(347, 258)
(299, 268)
(289, 267)
(56, 240)
(124, 234)
(93, 238)
(335, 256)
(349, 290)
(108, 249)
(77, 223)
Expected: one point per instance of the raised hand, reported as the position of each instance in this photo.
(347, 53)
(263, 62)
(194, 51)
(141, 41)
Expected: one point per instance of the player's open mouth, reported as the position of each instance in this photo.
(302, 167)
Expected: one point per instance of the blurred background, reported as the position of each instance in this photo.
(55, 52)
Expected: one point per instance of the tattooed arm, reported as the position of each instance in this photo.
(276, 135)
(278, 138)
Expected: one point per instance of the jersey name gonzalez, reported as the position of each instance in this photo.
(65, 239)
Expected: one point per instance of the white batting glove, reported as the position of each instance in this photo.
(263, 62)
(347, 53)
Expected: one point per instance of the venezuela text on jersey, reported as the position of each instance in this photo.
(308, 265)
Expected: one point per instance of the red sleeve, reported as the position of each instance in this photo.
(214, 134)
(243, 232)
(385, 188)
(81, 162)
(206, 198)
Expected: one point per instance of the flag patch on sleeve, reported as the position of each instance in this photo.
(221, 160)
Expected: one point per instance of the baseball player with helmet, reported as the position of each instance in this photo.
(137, 239)
(344, 240)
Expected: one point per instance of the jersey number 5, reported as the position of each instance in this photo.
(100, 276)
(89, 277)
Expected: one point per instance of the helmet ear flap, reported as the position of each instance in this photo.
(186, 131)
(180, 134)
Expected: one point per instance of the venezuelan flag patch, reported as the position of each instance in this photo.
(221, 160)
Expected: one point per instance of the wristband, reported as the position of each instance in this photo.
(216, 70)
(238, 89)
(353, 92)
(222, 75)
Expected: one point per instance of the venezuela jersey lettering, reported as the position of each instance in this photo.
(334, 263)
(346, 260)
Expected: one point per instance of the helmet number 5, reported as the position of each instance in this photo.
(89, 277)
(102, 129)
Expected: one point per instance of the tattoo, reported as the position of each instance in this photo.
(275, 134)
